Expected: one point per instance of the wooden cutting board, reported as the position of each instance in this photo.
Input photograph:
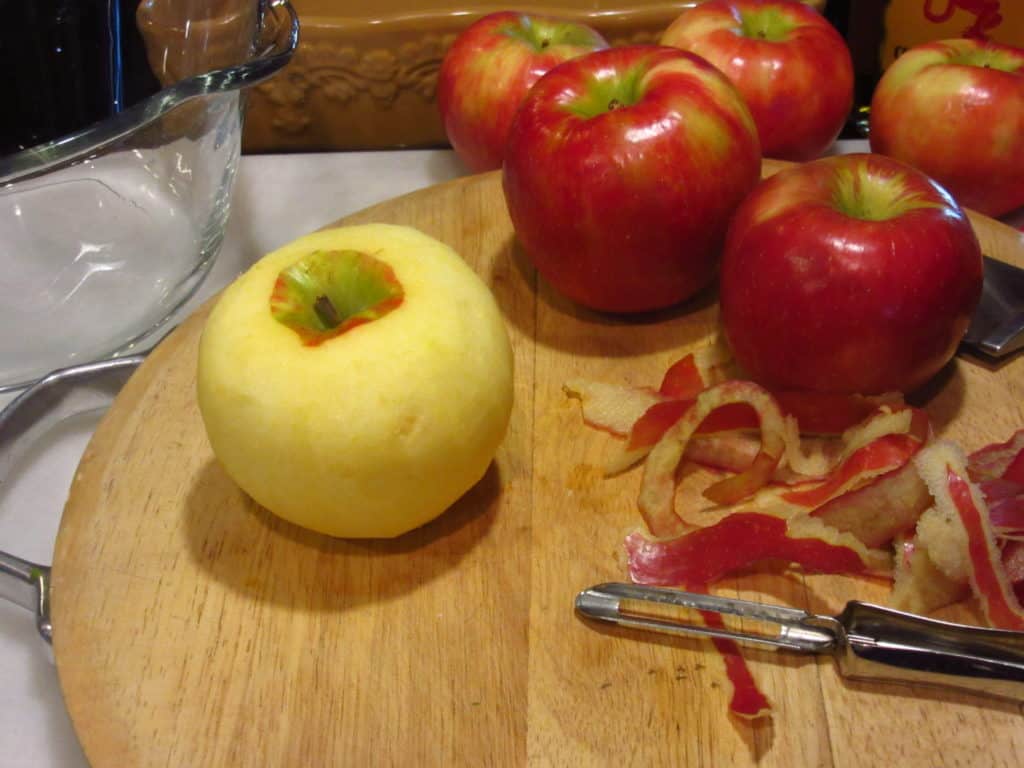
(195, 629)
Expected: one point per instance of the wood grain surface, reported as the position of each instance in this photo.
(192, 628)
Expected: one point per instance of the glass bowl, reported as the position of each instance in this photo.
(107, 229)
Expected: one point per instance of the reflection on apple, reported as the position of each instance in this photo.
(357, 381)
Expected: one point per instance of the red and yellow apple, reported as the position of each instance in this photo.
(357, 381)
(488, 70)
(621, 172)
(853, 274)
(955, 110)
(790, 65)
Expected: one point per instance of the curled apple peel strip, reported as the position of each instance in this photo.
(747, 700)
(703, 556)
(933, 571)
(998, 461)
(657, 491)
(837, 504)
(959, 538)
(611, 408)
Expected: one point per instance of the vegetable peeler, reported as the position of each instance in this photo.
(868, 642)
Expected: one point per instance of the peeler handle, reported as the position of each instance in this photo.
(881, 643)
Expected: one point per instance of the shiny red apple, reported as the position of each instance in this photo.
(489, 68)
(854, 273)
(791, 66)
(621, 172)
(955, 110)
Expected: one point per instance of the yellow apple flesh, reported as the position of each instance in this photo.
(377, 430)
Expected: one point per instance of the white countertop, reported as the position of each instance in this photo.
(277, 198)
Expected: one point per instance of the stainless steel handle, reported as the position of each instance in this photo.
(63, 393)
(883, 644)
(28, 585)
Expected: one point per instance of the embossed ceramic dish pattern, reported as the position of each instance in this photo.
(366, 79)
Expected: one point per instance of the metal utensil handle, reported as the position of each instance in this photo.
(28, 585)
(881, 643)
(61, 394)
(791, 628)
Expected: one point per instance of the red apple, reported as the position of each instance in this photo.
(488, 70)
(621, 172)
(853, 274)
(955, 110)
(791, 66)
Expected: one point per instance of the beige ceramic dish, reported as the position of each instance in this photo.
(365, 79)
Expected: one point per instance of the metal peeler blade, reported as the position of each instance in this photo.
(997, 328)
(867, 641)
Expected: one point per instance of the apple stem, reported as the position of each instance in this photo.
(614, 104)
(326, 311)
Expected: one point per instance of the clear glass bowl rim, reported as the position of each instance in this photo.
(92, 140)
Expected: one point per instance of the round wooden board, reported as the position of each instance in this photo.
(192, 628)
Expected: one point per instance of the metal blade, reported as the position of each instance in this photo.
(789, 628)
(997, 328)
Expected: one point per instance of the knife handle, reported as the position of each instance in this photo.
(883, 644)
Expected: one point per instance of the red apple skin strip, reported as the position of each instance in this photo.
(988, 579)
(683, 379)
(746, 483)
(611, 408)
(660, 417)
(816, 413)
(1015, 471)
(1013, 561)
(1007, 513)
(961, 508)
(747, 701)
(707, 555)
(655, 422)
(886, 454)
(993, 461)
(879, 511)
(657, 490)
(730, 451)
(733, 417)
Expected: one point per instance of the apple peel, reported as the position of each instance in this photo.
(611, 408)
(944, 469)
(826, 503)
(706, 555)
(995, 461)
(747, 700)
(881, 510)
(658, 488)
